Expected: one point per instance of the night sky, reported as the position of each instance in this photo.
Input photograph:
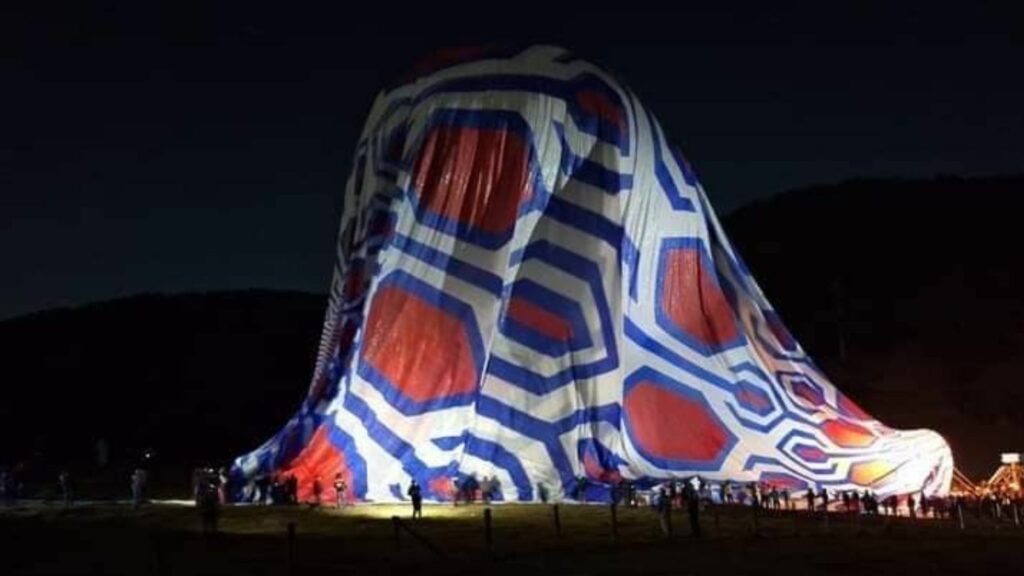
(170, 149)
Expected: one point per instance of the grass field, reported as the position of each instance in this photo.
(166, 539)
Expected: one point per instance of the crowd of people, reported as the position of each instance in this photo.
(468, 489)
(769, 497)
(272, 489)
(211, 490)
(283, 489)
(12, 488)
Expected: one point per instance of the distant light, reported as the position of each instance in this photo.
(1011, 458)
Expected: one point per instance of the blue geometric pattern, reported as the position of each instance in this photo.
(531, 286)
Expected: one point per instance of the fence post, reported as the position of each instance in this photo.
(558, 520)
(487, 528)
(396, 523)
(960, 515)
(291, 548)
(615, 522)
(1016, 514)
(693, 511)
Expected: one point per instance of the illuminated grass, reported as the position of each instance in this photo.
(360, 540)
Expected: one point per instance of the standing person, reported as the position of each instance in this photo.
(262, 495)
(138, 487)
(276, 490)
(470, 486)
(197, 488)
(339, 489)
(416, 494)
(267, 490)
(485, 489)
(197, 484)
(318, 490)
(693, 508)
(705, 492)
(542, 491)
(581, 488)
(293, 489)
(664, 507)
(785, 498)
(621, 492)
(810, 499)
(209, 505)
(213, 478)
(222, 485)
(285, 486)
(496, 493)
(65, 487)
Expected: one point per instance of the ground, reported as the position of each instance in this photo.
(166, 539)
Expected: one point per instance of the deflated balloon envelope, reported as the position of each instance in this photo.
(532, 288)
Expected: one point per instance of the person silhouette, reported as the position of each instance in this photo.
(416, 494)
(318, 490)
(339, 489)
(65, 487)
